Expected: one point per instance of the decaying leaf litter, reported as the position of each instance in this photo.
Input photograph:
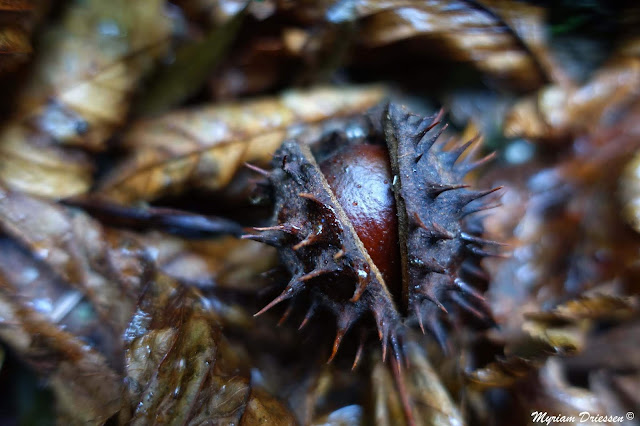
(130, 306)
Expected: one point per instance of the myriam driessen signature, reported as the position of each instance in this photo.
(584, 416)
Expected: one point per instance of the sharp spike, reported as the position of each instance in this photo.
(307, 317)
(453, 155)
(466, 212)
(257, 169)
(339, 254)
(467, 289)
(419, 221)
(478, 240)
(268, 239)
(475, 270)
(379, 323)
(440, 233)
(467, 168)
(311, 197)
(416, 308)
(436, 189)
(402, 390)
(430, 265)
(307, 241)
(427, 124)
(427, 141)
(292, 288)
(440, 334)
(345, 319)
(358, 353)
(286, 314)
(474, 195)
(483, 253)
(464, 303)
(384, 350)
(336, 344)
(361, 286)
(431, 298)
(285, 227)
(315, 273)
(395, 345)
(284, 296)
(435, 230)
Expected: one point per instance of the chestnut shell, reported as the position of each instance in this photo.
(338, 256)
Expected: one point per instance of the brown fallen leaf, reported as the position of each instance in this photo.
(17, 19)
(205, 147)
(561, 111)
(179, 370)
(505, 40)
(105, 266)
(565, 330)
(430, 400)
(224, 263)
(38, 319)
(86, 69)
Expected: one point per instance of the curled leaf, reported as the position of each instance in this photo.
(104, 266)
(205, 147)
(16, 23)
(78, 93)
(463, 31)
(175, 367)
(558, 112)
(38, 319)
(564, 330)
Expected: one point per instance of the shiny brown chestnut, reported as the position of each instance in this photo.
(382, 227)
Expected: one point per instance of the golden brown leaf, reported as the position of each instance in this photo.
(430, 400)
(78, 94)
(502, 48)
(558, 112)
(564, 330)
(17, 19)
(205, 147)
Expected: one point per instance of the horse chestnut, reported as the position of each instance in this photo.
(380, 226)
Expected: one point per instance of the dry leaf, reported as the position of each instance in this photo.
(205, 147)
(78, 94)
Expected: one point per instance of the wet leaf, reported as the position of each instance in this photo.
(104, 266)
(205, 147)
(86, 387)
(17, 20)
(223, 263)
(78, 94)
(501, 39)
(176, 371)
(558, 112)
(430, 401)
(565, 330)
